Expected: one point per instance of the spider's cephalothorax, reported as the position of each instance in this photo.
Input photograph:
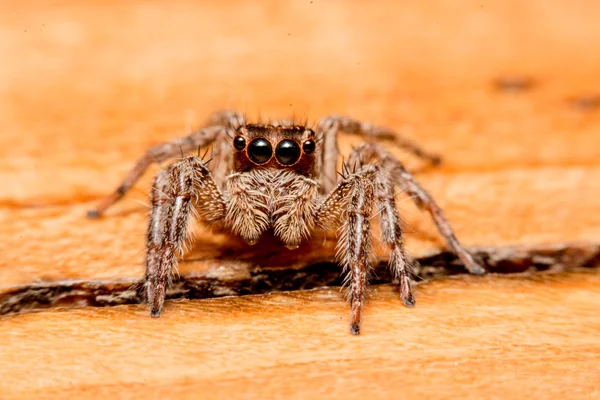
(271, 186)
(274, 147)
(282, 177)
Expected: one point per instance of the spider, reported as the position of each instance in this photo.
(282, 177)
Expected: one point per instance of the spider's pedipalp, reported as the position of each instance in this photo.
(294, 210)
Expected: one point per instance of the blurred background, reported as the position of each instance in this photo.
(508, 92)
(102, 80)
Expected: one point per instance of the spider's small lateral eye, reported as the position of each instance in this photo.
(260, 150)
(239, 143)
(309, 146)
(287, 152)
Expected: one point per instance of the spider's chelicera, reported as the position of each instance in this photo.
(282, 177)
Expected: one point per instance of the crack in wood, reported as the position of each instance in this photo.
(259, 280)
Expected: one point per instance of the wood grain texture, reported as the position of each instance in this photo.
(495, 337)
(503, 90)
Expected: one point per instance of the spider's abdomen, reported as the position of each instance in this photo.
(275, 199)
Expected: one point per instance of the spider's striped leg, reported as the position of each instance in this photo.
(350, 206)
(177, 190)
(327, 132)
(398, 174)
(390, 224)
(220, 124)
(328, 152)
(373, 132)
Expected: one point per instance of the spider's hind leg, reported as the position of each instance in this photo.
(328, 129)
(390, 225)
(398, 174)
(391, 232)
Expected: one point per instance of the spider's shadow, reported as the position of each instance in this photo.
(270, 252)
(267, 252)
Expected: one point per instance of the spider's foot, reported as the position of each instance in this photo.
(93, 214)
(470, 264)
(406, 290)
(355, 317)
(409, 301)
(476, 269)
(155, 312)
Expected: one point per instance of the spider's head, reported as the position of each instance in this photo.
(275, 146)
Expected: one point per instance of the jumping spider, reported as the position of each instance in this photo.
(282, 177)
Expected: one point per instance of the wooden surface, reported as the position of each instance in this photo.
(505, 91)
(470, 338)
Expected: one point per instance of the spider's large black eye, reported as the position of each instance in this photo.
(309, 146)
(239, 143)
(287, 152)
(260, 150)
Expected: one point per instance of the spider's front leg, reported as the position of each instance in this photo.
(351, 201)
(176, 190)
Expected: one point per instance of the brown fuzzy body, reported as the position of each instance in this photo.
(282, 177)
(277, 199)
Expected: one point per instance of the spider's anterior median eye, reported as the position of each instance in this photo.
(260, 150)
(309, 146)
(239, 143)
(287, 152)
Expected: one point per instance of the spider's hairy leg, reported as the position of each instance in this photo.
(390, 225)
(352, 201)
(221, 159)
(374, 132)
(326, 133)
(401, 176)
(425, 202)
(176, 190)
(157, 154)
